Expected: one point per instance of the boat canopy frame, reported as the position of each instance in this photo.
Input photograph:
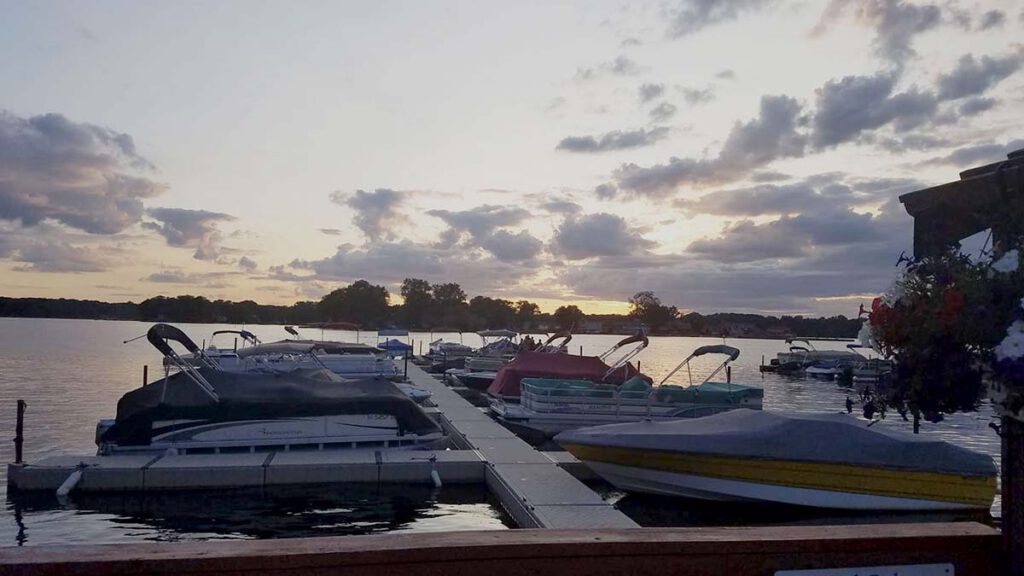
(639, 338)
(565, 336)
(730, 352)
(161, 335)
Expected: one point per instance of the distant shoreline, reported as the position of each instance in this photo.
(198, 310)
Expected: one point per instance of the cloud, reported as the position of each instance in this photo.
(176, 276)
(975, 154)
(976, 106)
(726, 74)
(662, 112)
(605, 191)
(972, 77)
(621, 66)
(855, 104)
(56, 256)
(766, 176)
(81, 175)
(692, 16)
(818, 194)
(247, 264)
(481, 221)
(391, 262)
(650, 91)
(750, 145)
(189, 229)
(508, 247)
(566, 207)
(611, 141)
(992, 19)
(695, 96)
(331, 231)
(626, 42)
(376, 213)
(598, 234)
(912, 142)
(895, 22)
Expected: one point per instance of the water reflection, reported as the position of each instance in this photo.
(285, 512)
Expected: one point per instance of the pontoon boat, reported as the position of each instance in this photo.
(206, 409)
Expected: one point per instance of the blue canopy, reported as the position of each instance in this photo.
(393, 345)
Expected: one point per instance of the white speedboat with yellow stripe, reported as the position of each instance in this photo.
(824, 461)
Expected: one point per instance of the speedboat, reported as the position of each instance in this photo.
(548, 406)
(506, 385)
(823, 461)
(447, 355)
(206, 409)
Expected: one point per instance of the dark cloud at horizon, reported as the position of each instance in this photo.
(56, 256)
(81, 175)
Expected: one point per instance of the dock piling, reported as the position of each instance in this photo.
(145, 374)
(19, 438)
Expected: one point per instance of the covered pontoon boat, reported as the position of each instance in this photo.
(507, 382)
(205, 409)
(825, 461)
(548, 406)
(481, 370)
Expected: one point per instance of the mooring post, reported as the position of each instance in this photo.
(581, 349)
(728, 374)
(406, 364)
(145, 374)
(19, 438)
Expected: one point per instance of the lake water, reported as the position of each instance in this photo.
(72, 372)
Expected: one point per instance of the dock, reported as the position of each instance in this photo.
(532, 486)
(538, 489)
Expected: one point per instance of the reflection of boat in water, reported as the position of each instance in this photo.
(825, 461)
(206, 409)
(548, 406)
(271, 512)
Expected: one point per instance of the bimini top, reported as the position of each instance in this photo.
(562, 366)
(500, 333)
(819, 438)
(305, 347)
(394, 345)
(254, 396)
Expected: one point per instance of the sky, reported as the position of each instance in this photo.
(729, 155)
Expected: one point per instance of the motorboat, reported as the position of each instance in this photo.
(548, 406)
(802, 354)
(823, 461)
(445, 355)
(481, 370)
(205, 409)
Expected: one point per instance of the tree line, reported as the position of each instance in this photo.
(438, 307)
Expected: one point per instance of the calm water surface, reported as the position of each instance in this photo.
(72, 372)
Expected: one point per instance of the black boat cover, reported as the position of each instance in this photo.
(247, 396)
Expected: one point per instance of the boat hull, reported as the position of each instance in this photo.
(820, 485)
(343, 431)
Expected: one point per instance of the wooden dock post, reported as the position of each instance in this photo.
(19, 430)
(145, 374)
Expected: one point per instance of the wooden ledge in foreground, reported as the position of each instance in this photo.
(971, 548)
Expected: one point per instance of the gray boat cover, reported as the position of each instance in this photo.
(821, 438)
(305, 347)
(248, 396)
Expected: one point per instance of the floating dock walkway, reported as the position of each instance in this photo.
(537, 489)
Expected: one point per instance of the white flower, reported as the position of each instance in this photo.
(1012, 347)
(896, 292)
(1008, 262)
(865, 336)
